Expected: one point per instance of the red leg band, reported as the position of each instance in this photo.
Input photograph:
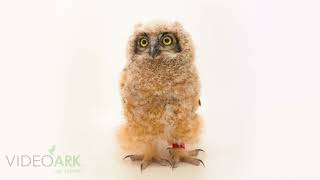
(176, 145)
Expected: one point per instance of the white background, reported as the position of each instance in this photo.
(259, 65)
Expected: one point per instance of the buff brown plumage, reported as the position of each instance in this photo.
(160, 99)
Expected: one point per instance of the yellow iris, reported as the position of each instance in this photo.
(143, 42)
(167, 41)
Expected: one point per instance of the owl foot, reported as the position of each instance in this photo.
(179, 154)
(146, 161)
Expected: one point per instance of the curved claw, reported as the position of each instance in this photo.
(200, 150)
(127, 156)
(174, 165)
(195, 152)
(201, 162)
(134, 157)
(168, 162)
(141, 167)
(144, 165)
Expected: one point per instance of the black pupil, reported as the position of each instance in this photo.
(166, 40)
(144, 42)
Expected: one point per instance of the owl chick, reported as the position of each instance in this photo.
(160, 90)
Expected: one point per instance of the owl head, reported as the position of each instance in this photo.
(160, 41)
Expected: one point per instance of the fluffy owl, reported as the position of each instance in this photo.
(160, 89)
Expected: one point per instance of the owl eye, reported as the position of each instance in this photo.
(143, 42)
(167, 41)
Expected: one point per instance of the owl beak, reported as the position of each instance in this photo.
(154, 49)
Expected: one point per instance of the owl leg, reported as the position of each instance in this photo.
(179, 154)
(148, 157)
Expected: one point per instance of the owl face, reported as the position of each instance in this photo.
(159, 41)
(154, 44)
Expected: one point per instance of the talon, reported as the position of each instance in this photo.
(201, 162)
(176, 160)
(146, 162)
(127, 156)
(180, 155)
(167, 162)
(174, 165)
(144, 165)
(141, 167)
(200, 150)
(195, 152)
(133, 157)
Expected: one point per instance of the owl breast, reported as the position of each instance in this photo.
(158, 91)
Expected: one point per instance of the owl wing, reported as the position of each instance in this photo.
(123, 80)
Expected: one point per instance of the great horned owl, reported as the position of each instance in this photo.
(160, 90)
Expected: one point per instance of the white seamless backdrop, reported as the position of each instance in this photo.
(60, 62)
